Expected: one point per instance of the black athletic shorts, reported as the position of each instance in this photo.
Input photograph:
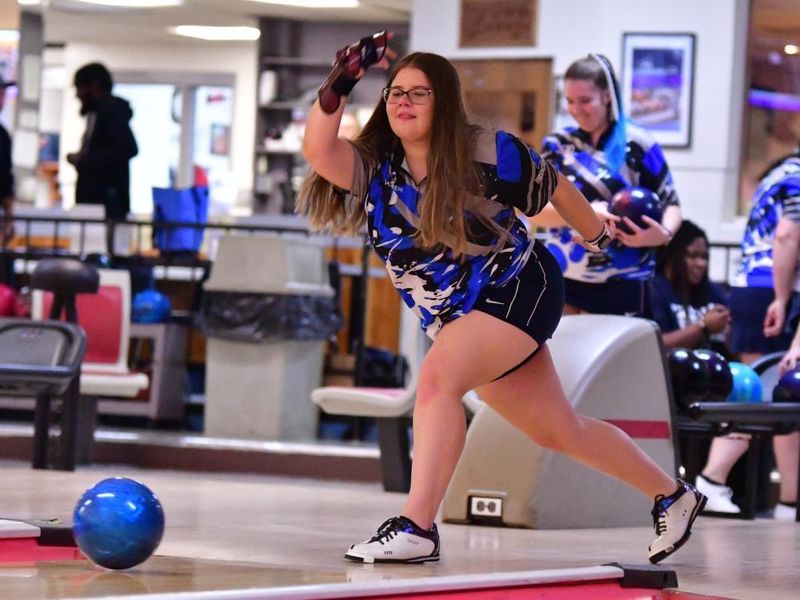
(533, 301)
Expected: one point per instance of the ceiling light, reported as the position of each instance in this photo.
(313, 3)
(791, 49)
(29, 2)
(217, 34)
(133, 3)
(9, 36)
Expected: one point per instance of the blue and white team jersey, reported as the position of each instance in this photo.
(777, 195)
(437, 285)
(572, 153)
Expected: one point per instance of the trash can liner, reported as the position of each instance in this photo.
(261, 318)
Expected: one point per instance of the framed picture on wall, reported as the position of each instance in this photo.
(657, 81)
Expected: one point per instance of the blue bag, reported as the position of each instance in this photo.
(187, 205)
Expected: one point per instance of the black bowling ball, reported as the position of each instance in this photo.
(720, 376)
(691, 377)
(788, 387)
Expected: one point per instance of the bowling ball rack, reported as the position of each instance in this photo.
(760, 420)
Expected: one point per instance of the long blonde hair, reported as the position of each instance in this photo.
(454, 181)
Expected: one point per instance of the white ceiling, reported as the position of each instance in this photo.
(69, 21)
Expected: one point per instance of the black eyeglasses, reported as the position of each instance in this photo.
(417, 95)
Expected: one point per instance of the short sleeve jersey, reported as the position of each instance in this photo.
(435, 283)
(671, 314)
(572, 153)
(777, 195)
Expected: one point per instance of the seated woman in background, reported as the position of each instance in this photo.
(691, 311)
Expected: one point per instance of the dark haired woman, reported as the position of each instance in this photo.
(691, 311)
(604, 154)
(439, 197)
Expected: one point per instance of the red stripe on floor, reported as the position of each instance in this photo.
(591, 591)
(28, 550)
(643, 430)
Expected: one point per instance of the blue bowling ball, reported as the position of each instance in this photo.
(118, 523)
(150, 306)
(746, 384)
(635, 203)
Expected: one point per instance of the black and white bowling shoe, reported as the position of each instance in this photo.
(673, 516)
(399, 540)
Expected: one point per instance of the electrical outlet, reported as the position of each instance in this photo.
(486, 507)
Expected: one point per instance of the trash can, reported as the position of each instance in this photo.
(267, 311)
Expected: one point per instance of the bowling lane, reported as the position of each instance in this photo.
(159, 575)
(262, 527)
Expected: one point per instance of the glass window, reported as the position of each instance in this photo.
(772, 110)
(157, 130)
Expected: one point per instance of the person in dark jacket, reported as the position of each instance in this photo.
(108, 144)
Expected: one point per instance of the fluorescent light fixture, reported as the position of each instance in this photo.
(313, 3)
(29, 2)
(133, 3)
(791, 49)
(217, 34)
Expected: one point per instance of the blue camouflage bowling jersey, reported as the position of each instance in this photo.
(572, 153)
(777, 195)
(437, 285)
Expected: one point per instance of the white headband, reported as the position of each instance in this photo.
(612, 84)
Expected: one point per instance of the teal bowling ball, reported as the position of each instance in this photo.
(746, 384)
(118, 523)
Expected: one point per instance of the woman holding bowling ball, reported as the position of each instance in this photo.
(606, 154)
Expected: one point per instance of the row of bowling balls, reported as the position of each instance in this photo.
(706, 376)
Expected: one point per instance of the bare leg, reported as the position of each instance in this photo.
(787, 448)
(722, 455)
(533, 400)
(725, 451)
(468, 352)
(476, 349)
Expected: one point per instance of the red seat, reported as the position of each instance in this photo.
(105, 317)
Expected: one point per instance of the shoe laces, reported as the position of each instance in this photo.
(388, 530)
(659, 514)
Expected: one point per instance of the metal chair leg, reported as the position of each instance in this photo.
(41, 431)
(69, 426)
